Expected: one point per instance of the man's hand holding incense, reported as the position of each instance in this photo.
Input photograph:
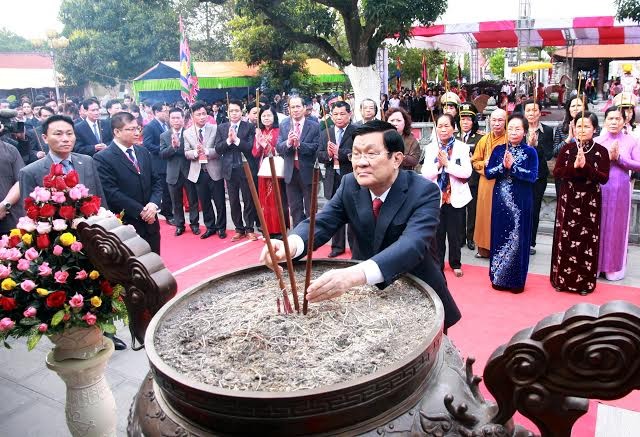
(279, 253)
(334, 283)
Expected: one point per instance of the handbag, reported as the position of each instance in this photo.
(265, 168)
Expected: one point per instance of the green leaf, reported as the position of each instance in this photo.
(7, 345)
(28, 322)
(33, 340)
(108, 328)
(57, 318)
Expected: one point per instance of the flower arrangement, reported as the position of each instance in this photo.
(47, 283)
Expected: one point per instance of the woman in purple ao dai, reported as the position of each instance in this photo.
(624, 153)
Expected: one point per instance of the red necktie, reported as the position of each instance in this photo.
(377, 204)
(296, 130)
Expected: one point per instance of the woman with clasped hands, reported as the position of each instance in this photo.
(447, 163)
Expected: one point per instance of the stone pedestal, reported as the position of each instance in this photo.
(90, 407)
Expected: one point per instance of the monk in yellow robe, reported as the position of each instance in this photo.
(481, 155)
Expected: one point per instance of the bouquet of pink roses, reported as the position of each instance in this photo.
(47, 283)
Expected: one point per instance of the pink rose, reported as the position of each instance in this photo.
(29, 312)
(26, 224)
(76, 301)
(14, 254)
(59, 197)
(24, 264)
(4, 241)
(31, 254)
(89, 318)
(4, 254)
(59, 225)
(43, 227)
(61, 277)
(42, 327)
(40, 194)
(44, 269)
(57, 250)
(28, 285)
(5, 271)
(84, 190)
(81, 275)
(75, 193)
(7, 324)
(76, 246)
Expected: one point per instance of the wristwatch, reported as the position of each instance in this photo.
(7, 206)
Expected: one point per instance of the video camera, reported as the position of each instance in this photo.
(8, 124)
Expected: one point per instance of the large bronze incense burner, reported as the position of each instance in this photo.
(546, 372)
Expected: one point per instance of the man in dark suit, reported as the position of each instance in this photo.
(151, 140)
(539, 136)
(59, 134)
(233, 140)
(128, 179)
(298, 144)
(112, 106)
(90, 132)
(172, 151)
(333, 152)
(394, 214)
(217, 114)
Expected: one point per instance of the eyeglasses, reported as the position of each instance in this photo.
(369, 156)
(132, 129)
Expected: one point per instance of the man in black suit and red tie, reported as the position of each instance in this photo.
(333, 152)
(394, 214)
(128, 180)
(90, 132)
(234, 139)
(298, 144)
(151, 140)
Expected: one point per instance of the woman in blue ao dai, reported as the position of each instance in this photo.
(514, 166)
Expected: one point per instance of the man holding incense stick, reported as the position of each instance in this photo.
(394, 214)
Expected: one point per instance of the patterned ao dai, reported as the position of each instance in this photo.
(511, 215)
(576, 237)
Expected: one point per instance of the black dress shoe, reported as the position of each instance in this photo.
(335, 253)
(195, 229)
(532, 251)
(471, 245)
(207, 234)
(222, 233)
(117, 343)
(171, 221)
(179, 231)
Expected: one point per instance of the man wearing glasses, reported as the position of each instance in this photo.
(393, 213)
(128, 180)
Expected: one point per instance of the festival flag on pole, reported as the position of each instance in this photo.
(425, 74)
(398, 74)
(459, 75)
(188, 78)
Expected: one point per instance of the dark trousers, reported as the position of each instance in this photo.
(149, 232)
(236, 184)
(166, 208)
(209, 190)
(449, 231)
(177, 196)
(299, 197)
(538, 194)
(469, 217)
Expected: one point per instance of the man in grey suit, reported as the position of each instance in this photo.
(205, 170)
(172, 151)
(298, 144)
(58, 134)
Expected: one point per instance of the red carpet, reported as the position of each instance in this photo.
(489, 318)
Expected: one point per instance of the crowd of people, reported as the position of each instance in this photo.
(158, 159)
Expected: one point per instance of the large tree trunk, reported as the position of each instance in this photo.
(366, 84)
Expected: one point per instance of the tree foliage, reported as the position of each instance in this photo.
(208, 29)
(366, 23)
(115, 40)
(628, 9)
(496, 63)
(11, 42)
